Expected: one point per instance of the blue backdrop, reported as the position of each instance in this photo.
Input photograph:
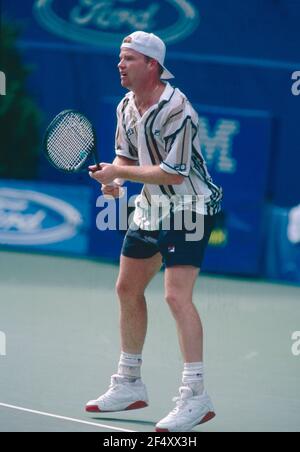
(222, 54)
(233, 63)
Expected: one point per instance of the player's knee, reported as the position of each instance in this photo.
(174, 301)
(126, 292)
(180, 303)
(122, 289)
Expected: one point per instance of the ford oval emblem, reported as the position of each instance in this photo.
(104, 23)
(32, 218)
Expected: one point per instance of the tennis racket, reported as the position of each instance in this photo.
(70, 143)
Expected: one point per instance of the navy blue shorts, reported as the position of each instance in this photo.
(172, 244)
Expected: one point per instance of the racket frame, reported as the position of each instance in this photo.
(92, 154)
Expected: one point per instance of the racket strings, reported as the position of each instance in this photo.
(70, 142)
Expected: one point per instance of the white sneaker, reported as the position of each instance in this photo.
(120, 396)
(190, 411)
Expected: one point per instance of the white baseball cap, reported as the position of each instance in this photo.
(150, 45)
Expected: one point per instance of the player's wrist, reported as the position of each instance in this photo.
(120, 174)
(119, 182)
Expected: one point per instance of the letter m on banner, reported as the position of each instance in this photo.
(2, 344)
(217, 144)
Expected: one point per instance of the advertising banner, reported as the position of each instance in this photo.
(45, 217)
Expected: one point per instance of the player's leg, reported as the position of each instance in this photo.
(179, 285)
(127, 390)
(183, 259)
(193, 404)
(134, 277)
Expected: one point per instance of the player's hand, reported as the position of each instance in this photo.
(115, 191)
(106, 175)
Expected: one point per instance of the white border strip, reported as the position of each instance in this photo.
(63, 418)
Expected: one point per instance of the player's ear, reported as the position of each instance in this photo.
(150, 61)
(154, 64)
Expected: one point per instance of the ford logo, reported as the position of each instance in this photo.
(33, 218)
(104, 23)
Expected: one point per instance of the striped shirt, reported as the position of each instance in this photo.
(167, 135)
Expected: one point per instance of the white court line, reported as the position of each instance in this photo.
(63, 418)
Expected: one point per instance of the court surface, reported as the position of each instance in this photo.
(60, 320)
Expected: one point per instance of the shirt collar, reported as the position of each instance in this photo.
(165, 97)
(166, 94)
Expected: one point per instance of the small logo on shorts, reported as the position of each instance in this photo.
(171, 249)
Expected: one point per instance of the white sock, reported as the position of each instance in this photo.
(130, 366)
(193, 377)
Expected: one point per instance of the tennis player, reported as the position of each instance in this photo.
(157, 144)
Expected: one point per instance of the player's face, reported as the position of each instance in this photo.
(133, 68)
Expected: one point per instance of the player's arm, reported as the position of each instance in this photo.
(148, 174)
(124, 161)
